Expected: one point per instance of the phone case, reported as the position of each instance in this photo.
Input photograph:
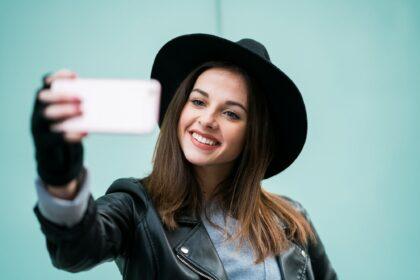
(112, 105)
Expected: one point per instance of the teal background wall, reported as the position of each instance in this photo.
(356, 63)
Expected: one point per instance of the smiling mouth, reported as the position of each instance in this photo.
(202, 141)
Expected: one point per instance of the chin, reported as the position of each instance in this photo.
(199, 160)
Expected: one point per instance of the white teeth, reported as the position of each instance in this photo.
(201, 139)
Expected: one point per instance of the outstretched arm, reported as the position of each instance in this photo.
(102, 234)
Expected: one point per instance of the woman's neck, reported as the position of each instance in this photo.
(210, 176)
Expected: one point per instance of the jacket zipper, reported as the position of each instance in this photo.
(190, 266)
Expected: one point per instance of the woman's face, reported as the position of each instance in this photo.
(212, 125)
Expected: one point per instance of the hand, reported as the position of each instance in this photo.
(59, 155)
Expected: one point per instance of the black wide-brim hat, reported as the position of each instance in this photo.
(178, 57)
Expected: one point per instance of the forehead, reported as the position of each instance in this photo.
(223, 84)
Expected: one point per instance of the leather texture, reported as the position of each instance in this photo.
(123, 226)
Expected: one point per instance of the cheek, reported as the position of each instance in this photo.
(181, 126)
(183, 122)
(236, 138)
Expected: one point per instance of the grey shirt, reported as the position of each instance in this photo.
(238, 264)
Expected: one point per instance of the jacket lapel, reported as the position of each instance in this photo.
(193, 246)
(198, 250)
(292, 263)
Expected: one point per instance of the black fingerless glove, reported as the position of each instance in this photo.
(58, 161)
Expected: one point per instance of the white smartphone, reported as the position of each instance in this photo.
(112, 105)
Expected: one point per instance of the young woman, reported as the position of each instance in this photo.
(229, 118)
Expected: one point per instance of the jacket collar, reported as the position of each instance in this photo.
(195, 248)
(292, 262)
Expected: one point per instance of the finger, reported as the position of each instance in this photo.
(48, 96)
(61, 74)
(59, 111)
(73, 137)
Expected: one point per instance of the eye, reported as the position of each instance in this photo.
(232, 115)
(196, 102)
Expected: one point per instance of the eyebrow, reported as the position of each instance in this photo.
(228, 102)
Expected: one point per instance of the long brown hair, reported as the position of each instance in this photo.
(174, 188)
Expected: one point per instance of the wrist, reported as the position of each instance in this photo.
(70, 190)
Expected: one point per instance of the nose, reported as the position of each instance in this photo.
(208, 120)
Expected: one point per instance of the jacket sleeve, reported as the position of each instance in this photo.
(320, 263)
(104, 233)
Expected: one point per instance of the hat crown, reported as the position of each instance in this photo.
(254, 46)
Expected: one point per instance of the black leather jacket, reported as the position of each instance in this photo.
(123, 226)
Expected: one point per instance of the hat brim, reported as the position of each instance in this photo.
(177, 58)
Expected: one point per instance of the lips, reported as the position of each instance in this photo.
(202, 146)
(205, 136)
